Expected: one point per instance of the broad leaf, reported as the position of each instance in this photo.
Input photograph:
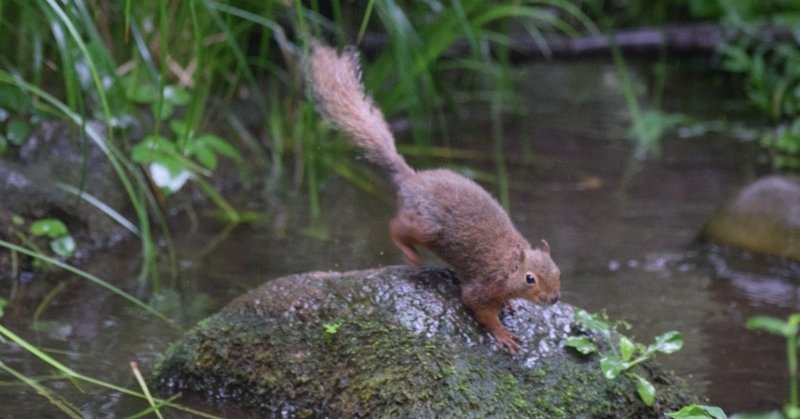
(698, 411)
(49, 227)
(667, 343)
(592, 322)
(646, 390)
(63, 246)
(626, 348)
(581, 344)
(612, 367)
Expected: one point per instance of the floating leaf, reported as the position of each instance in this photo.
(612, 367)
(667, 343)
(646, 390)
(63, 246)
(49, 227)
(581, 344)
(626, 348)
(698, 411)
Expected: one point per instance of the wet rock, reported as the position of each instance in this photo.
(763, 218)
(393, 342)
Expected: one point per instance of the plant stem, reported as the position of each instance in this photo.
(791, 353)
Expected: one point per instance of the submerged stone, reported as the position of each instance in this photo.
(393, 342)
(763, 218)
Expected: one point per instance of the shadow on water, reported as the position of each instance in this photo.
(623, 233)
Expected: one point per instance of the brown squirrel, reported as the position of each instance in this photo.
(439, 209)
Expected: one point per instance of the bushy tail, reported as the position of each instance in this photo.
(336, 83)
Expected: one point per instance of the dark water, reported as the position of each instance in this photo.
(622, 231)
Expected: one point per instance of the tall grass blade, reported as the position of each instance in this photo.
(86, 275)
(91, 380)
(145, 390)
(100, 205)
(45, 392)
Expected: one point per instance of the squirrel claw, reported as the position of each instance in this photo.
(509, 342)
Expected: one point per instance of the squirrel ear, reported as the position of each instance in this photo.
(544, 246)
(517, 256)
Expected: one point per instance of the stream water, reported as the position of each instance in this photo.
(622, 230)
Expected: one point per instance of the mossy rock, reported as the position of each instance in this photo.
(394, 342)
(764, 218)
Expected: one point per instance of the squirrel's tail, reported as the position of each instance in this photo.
(336, 83)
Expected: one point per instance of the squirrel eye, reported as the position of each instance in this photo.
(530, 278)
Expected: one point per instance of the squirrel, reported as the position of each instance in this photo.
(439, 209)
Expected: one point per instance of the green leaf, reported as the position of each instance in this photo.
(698, 411)
(18, 131)
(581, 344)
(771, 324)
(142, 93)
(206, 157)
(154, 148)
(167, 108)
(220, 146)
(612, 366)
(3, 304)
(179, 127)
(63, 246)
(626, 348)
(593, 322)
(667, 343)
(49, 227)
(176, 96)
(3, 144)
(17, 220)
(646, 390)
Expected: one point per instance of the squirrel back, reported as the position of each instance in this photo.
(340, 98)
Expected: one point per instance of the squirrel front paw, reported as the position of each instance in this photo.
(508, 341)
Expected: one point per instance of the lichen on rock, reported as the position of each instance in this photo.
(392, 342)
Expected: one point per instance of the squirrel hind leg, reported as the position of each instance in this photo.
(406, 237)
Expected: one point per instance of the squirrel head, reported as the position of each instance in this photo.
(535, 277)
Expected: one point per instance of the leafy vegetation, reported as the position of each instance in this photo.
(624, 354)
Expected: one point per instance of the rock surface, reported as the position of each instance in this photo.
(763, 218)
(393, 342)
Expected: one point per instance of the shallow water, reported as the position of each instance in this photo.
(622, 231)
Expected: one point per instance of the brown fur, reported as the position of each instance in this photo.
(439, 209)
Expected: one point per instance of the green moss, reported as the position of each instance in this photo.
(375, 366)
